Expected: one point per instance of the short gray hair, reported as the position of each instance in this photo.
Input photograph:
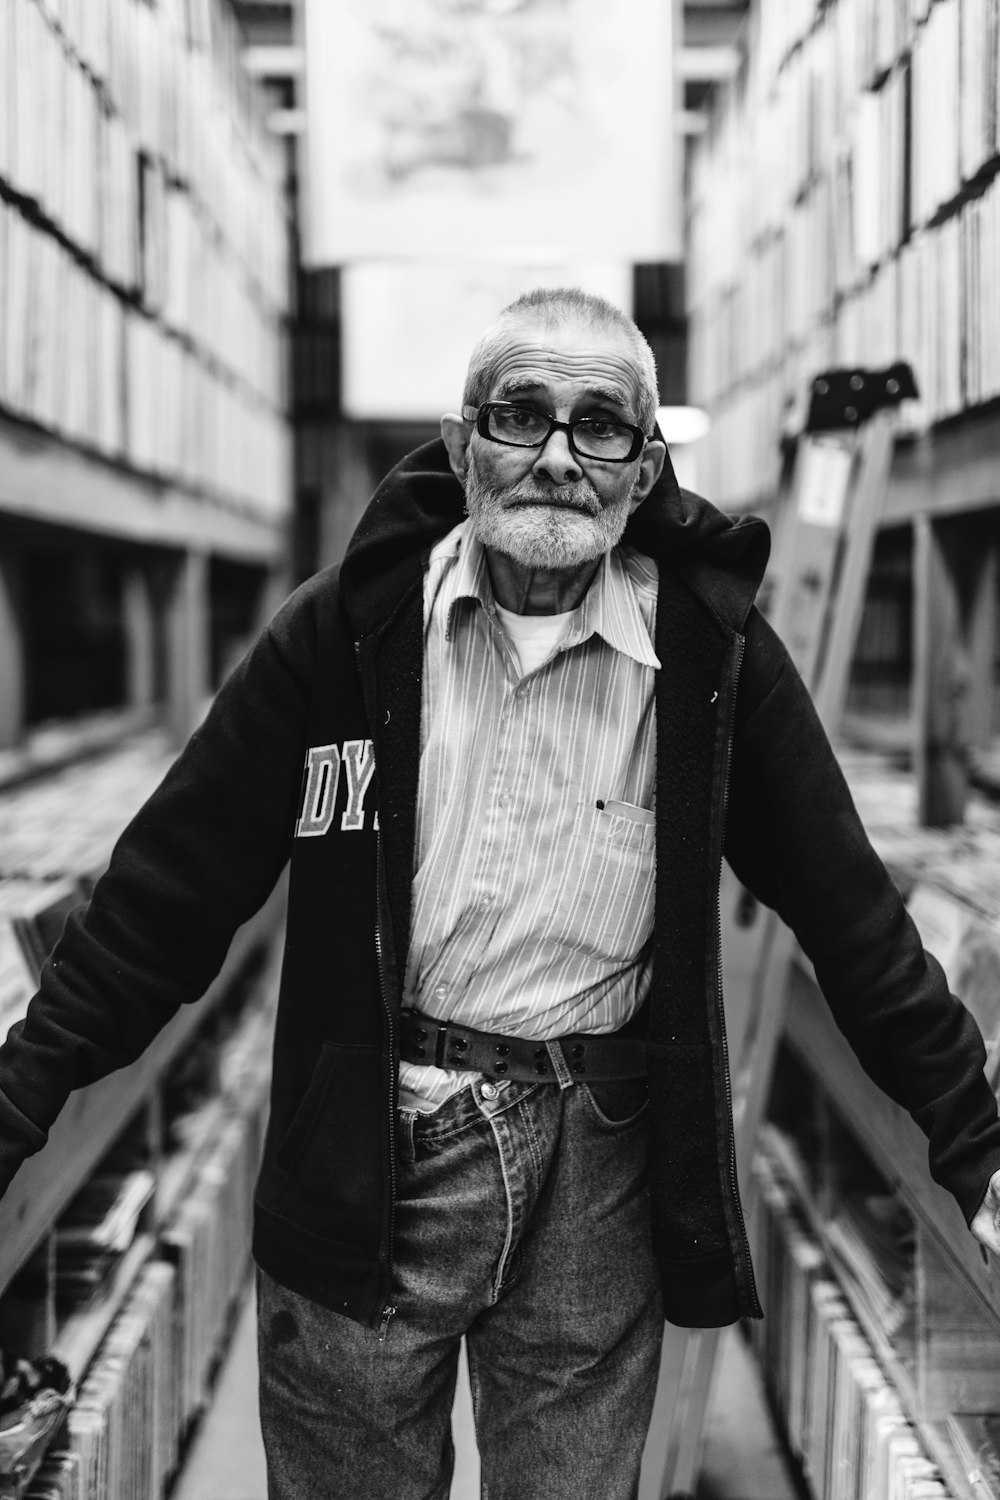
(553, 306)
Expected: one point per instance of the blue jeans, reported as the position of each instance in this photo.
(522, 1222)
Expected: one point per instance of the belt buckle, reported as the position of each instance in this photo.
(442, 1032)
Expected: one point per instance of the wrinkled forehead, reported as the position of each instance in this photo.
(570, 359)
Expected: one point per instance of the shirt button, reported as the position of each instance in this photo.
(441, 992)
(485, 903)
(504, 799)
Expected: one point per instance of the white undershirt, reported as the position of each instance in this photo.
(534, 637)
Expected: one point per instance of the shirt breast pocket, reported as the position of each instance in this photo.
(604, 903)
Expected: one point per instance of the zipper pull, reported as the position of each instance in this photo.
(388, 1313)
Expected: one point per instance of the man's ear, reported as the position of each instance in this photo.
(650, 468)
(456, 434)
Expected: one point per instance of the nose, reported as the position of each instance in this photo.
(557, 461)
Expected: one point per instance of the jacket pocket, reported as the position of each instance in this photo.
(305, 1118)
(332, 1157)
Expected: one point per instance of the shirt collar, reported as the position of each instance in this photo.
(609, 608)
(471, 576)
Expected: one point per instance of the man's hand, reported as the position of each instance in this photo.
(986, 1225)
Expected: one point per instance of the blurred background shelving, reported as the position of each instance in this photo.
(146, 491)
(842, 211)
(176, 451)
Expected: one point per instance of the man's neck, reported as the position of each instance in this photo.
(538, 591)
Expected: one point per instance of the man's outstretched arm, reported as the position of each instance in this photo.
(796, 840)
(197, 860)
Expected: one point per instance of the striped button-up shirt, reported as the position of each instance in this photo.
(533, 891)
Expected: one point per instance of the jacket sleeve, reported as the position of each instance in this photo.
(198, 859)
(795, 839)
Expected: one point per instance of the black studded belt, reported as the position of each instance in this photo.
(422, 1039)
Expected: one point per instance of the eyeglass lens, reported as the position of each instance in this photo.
(593, 436)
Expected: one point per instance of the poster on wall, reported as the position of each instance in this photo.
(409, 327)
(510, 128)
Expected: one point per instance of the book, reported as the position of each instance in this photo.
(105, 1213)
(17, 293)
(7, 95)
(871, 1242)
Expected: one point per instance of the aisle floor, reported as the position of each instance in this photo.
(226, 1458)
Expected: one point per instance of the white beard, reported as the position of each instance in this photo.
(572, 528)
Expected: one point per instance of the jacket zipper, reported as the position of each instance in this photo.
(756, 1309)
(388, 1311)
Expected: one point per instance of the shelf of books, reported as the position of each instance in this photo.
(881, 1341)
(845, 210)
(144, 299)
(145, 488)
(143, 254)
(124, 1243)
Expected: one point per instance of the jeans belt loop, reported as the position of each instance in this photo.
(559, 1065)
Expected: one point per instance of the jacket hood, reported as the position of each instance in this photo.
(721, 557)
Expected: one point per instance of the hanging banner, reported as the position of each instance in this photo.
(409, 328)
(511, 128)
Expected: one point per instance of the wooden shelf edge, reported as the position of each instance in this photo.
(951, 469)
(984, 770)
(892, 737)
(885, 1132)
(93, 1117)
(933, 1432)
(894, 1366)
(941, 1450)
(43, 478)
(948, 470)
(91, 736)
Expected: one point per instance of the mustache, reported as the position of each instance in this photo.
(578, 496)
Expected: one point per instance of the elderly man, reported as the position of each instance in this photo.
(535, 707)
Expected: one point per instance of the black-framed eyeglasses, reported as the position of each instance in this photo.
(589, 437)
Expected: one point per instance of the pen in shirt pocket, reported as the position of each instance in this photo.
(626, 810)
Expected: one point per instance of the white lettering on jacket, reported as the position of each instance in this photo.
(359, 758)
(322, 780)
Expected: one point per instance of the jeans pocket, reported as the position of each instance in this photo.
(617, 1102)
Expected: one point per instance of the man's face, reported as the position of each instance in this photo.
(546, 507)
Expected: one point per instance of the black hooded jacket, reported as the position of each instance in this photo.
(743, 770)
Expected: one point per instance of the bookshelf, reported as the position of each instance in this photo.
(836, 1145)
(145, 506)
(844, 209)
(144, 301)
(183, 1126)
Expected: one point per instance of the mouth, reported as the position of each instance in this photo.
(579, 510)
